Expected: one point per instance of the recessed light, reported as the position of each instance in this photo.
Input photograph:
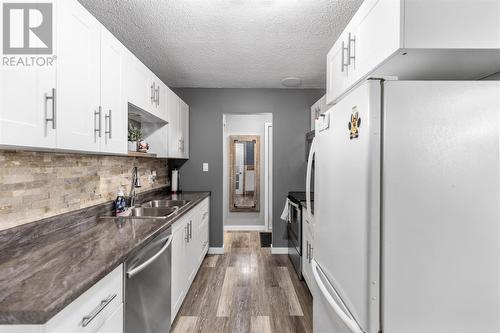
(291, 82)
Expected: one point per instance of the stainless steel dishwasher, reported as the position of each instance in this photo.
(147, 287)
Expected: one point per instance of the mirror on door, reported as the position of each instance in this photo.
(244, 173)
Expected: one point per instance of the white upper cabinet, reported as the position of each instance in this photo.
(184, 128)
(178, 126)
(144, 89)
(27, 108)
(80, 102)
(173, 114)
(113, 101)
(79, 124)
(139, 84)
(415, 40)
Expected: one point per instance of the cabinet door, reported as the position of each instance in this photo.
(179, 266)
(113, 102)
(376, 37)
(204, 227)
(184, 128)
(78, 78)
(24, 108)
(173, 106)
(194, 246)
(162, 100)
(139, 84)
(105, 297)
(336, 70)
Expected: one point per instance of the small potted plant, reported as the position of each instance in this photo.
(134, 135)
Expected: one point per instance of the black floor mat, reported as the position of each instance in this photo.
(265, 239)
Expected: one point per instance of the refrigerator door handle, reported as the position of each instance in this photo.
(312, 152)
(345, 316)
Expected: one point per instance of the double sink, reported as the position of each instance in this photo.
(156, 209)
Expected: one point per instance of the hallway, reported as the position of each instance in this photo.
(246, 290)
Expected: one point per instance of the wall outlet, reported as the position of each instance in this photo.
(205, 167)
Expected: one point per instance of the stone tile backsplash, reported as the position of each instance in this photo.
(36, 185)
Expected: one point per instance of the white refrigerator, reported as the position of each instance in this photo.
(407, 209)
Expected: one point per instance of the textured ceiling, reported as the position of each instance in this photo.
(228, 43)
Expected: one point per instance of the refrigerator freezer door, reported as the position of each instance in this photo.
(346, 215)
(441, 215)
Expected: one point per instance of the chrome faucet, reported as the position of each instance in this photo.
(136, 183)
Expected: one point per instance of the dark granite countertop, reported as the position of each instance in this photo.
(46, 265)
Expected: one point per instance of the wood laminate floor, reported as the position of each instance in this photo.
(246, 290)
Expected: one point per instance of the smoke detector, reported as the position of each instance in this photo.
(291, 82)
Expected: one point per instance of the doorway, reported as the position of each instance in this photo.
(247, 172)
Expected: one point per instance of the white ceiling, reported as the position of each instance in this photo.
(228, 43)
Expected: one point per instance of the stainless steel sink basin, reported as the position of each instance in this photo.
(166, 203)
(153, 211)
(156, 209)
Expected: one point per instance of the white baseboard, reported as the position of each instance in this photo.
(279, 250)
(245, 228)
(216, 250)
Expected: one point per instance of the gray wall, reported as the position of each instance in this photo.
(290, 109)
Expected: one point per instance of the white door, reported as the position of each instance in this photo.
(26, 104)
(80, 124)
(346, 207)
(113, 101)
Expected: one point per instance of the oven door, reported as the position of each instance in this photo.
(294, 229)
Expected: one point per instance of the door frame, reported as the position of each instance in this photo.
(268, 176)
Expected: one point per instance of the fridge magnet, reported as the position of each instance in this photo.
(354, 124)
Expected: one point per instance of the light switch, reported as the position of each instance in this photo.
(205, 167)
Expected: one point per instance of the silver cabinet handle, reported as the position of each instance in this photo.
(54, 110)
(204, 215)
(97, 114)
(153, 93)
(145, 264)
(186, 228)
(190, 229)
(310, 253)
(109, 124)
(344, 64)
(88, 318)
(351, 50)
(157, 96)
(307, 250)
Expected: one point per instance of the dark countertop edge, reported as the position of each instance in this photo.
(28, 317)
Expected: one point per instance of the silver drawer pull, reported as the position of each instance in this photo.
(87, 319)
(204, 215)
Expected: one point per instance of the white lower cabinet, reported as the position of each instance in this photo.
(189, 247)
(97, 310)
